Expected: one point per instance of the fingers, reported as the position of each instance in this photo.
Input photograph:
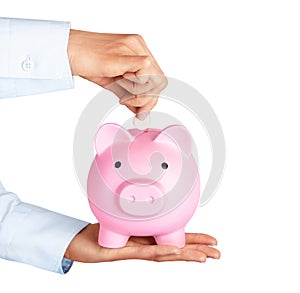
(120, 92)
(135, 87)
(146, 252)
(198, 253)
(208, 250)
(154, 93)
(152, 252)
(185, 255)
(143, 112)
(119, 65)
(138, 105)
(132, 109)
(135, 78)
(142, 79)
(197, 249)
(136, 101)
(144, 96)
(142, 84)
(141, 106)
(199, 238)
(137, 97)
(142, 49)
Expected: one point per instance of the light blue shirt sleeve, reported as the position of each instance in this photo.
(33, 57)
(35, 236)
(34, 60)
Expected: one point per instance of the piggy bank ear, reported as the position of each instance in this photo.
(180, 135)
(108, 134)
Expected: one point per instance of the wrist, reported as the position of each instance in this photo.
(74, 44)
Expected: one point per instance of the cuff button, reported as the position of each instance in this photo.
(27, 64)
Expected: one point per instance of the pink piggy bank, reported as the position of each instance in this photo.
(143, 183)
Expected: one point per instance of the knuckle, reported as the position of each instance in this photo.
(134, 39)
(137, 38)
(147, 61)
(164, 82)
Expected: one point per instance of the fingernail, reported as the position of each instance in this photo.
(217, 255)
(214, 243)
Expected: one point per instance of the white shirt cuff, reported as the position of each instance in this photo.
(33, 56)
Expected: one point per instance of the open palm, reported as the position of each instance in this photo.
(85, 248)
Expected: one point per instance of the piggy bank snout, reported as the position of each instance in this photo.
(141, 200)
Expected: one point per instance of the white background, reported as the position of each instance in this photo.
(244, 57)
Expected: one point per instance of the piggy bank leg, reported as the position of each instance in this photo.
(111, 239)
(176, 238)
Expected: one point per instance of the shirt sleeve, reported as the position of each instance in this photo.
(35, 236)
(33, 57)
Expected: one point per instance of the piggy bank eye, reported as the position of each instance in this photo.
(117, 164)
(164, 165)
